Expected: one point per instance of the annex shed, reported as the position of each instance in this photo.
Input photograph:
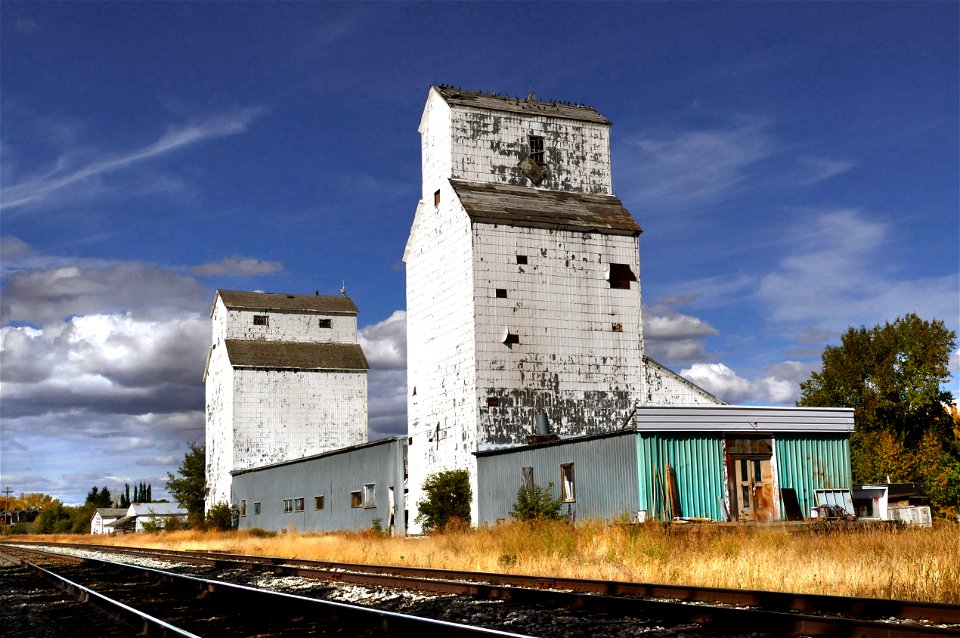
(352, 488)
(712, 462)
(139, 516)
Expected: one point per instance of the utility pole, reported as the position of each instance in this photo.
(6, 505)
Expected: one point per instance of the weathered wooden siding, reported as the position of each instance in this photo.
(605, 476)
(290, 326)
(665, 387)
(334, 476)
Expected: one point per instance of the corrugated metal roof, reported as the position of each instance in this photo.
(242, 300)
(739, 418)
(522, 206)
(295, 355)
(494, 102)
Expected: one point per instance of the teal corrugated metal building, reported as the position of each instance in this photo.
(726, 462)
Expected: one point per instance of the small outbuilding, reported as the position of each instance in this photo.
(353, 488)
(141, 516)
(690, 462)
(100, 523)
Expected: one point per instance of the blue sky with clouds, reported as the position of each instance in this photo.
(794, 167)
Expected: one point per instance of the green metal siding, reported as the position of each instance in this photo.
(699, 464)
(808, 463)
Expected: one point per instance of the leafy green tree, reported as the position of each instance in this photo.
(190, 487)
(448, 499)
(892, 375)
(220, 517)
(54, 519)
(535, 502)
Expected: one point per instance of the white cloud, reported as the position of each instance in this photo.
(385, 343)
(244, 266)
(780, 386)
(670, 336)
(69, 176)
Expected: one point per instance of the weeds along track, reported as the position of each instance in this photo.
(549, 606)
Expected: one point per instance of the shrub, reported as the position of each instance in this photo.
(448, 498)
(535, 503)
(219, 517)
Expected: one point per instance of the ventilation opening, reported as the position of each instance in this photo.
(620, 276)
(501, 293)
(521, 259)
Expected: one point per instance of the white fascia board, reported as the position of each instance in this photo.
(746, 419)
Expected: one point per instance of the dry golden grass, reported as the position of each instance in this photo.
(917, 564)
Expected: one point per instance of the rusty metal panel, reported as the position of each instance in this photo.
(604, 470)
(697, 459)
(808, 463)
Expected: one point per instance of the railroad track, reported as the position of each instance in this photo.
(712, 610)
(142, 601)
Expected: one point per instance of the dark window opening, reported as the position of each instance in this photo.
(243, 507)
(436, 198)
(521, 259)
(493, 402)
(256, 508)
(288, 505)
(318, 502)
(298, 504)
(621, 276)
(326, 323)
(536, 148)
(618, 327)
(511, 339)
(568, 491)
(260, 320)
(356, 499)
(501, 293)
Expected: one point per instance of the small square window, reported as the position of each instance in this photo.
(493, 402)
(536, 148)
(436, 197)
(326, 323)
(356, 499)
(568, 492)
(620, 276)
(501, 293)
(521, 259)
(256, 508)
(318, 502)
(243, 507)
(298, 504)
(618, 327)
(260, 320)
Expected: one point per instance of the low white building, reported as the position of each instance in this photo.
(142, 516)
(285, 379)
(100, 523)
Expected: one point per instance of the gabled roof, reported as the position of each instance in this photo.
(111, 512)
(491, 101)
(523, 206)
(295, 355)
(241, 300)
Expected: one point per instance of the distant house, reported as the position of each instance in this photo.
(139, 514)
(103, 517)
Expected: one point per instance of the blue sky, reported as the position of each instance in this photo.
(794, 167)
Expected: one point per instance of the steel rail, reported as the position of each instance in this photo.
(383, 622)
(794, 603)
(121, 612)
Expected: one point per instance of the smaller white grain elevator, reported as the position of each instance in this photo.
(285, 378)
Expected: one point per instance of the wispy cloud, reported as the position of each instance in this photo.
(243, 266)
(844, 272)
(68, 176)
